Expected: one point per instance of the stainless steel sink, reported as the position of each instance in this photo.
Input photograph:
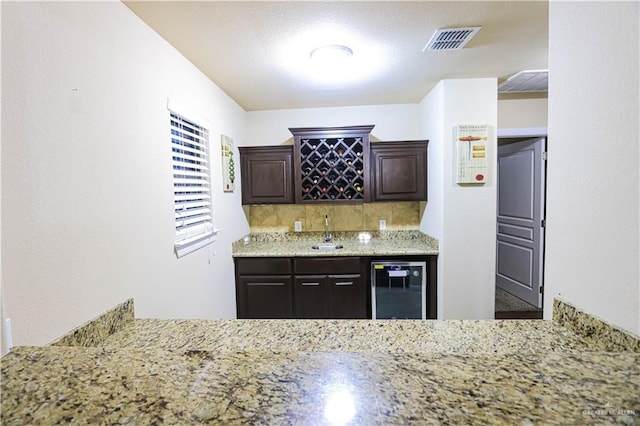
(327, 246)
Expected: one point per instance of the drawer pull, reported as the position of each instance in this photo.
(345, 283)
(310, 284)
(271, 284)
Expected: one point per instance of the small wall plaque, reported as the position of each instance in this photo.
(228, 164)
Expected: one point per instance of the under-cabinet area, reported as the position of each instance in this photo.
(328, 288)
(281, 276)
(320, 288)
(311, 288)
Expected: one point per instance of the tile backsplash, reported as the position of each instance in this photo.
(342, 217)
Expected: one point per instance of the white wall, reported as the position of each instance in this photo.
(462, 217)
(87, 203)
(593, 192)
(5, 339)
(432, 126)
(522, 113)
(392, 122)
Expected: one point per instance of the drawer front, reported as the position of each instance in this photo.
(258, 265)
(327, 265)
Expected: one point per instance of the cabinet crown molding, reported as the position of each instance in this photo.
(332, 131)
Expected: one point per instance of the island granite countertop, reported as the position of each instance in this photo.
(53, 385)
(299, 244)
(359, 336)
(326, 372)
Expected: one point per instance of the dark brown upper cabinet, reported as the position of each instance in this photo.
(331, 164)
(399, 170)
(266, 174)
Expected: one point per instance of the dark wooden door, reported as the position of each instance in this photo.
(267, 296)
(346, 297)
(330, 297)
(399, 171)
(309, 297)
(266, 174)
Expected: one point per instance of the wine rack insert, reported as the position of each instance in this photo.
(332, 164)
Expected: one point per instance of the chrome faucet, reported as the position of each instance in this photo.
(327, 236)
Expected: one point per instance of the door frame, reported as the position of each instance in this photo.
(522, 132)
(529, 133)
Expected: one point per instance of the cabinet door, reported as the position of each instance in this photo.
(346, 297)
(309, 297)
(399, 171)
(267, 296)
(266, 174)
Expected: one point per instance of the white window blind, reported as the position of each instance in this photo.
(191, 185)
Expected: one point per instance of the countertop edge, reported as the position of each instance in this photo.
(394, 243)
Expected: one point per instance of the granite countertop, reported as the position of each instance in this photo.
(293, 244)
(324, 372)
(387, 336)
(150, 386)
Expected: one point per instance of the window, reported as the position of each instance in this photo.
(191, 184)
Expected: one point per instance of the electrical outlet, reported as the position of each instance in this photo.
(297, 226)
(383, 224)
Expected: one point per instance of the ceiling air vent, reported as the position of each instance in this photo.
(451, 38)
(525, 82)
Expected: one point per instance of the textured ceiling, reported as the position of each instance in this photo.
(258, 52)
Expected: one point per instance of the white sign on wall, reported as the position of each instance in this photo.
(471, 144)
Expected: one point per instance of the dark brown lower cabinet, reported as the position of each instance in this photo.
(347, 297)
(329, 287)
(315, 287)
(309, 297)
(312, 288)
(267, 297)
(329, 297)
(264, 288)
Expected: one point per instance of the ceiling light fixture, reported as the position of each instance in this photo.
(331, 53)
